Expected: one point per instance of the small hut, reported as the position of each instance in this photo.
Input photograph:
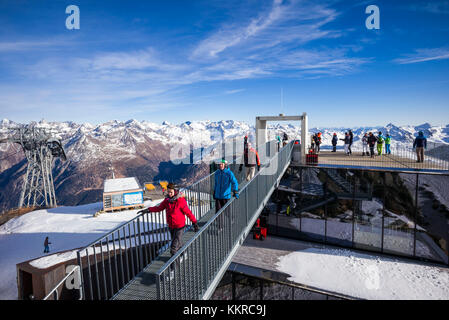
(122, 193)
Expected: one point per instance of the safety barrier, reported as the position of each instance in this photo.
(194, 271)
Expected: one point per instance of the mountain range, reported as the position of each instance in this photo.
(143, 149)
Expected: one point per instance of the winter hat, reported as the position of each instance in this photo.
(172, 186)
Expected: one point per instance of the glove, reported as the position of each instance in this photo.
(258, 168)
(240, 168)
(195, 227)
(143, 211)
(236, 194)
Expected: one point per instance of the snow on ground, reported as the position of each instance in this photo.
(364, 275)
(22, 238)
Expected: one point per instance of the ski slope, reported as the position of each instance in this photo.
(22, 238)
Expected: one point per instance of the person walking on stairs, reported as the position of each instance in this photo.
(176, 208)
(251, 160)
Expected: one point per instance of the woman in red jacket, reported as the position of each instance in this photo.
(175, 206)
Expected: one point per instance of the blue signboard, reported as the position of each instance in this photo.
(133, 198)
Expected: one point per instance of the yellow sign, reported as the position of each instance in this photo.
(164, 184)
(150, 186)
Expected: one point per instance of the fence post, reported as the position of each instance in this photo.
(205, 265)
(246, 205)
(416, 215)
(78, 255)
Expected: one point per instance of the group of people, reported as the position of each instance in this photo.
(371, 141)
(226, 187)
(176, 208)
(282, 141)
(316, 142)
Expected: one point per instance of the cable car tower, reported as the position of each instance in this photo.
(40, 149)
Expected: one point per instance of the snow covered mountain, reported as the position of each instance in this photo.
(142, 149)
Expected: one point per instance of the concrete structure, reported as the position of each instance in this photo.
(261, 129)
(122, 193)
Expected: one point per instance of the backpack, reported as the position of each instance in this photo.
(380, 139)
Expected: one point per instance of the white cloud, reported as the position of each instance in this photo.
(286, 22)
(270, 43)
(14, 46)
(423, 55)
(234, 91)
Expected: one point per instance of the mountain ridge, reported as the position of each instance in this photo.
(143, 149)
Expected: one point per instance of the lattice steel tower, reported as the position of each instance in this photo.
(40, 149)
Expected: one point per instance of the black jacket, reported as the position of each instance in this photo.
(334, 140)
(347, 139)
(372, 141)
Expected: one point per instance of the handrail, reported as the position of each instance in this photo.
(135, 243)
(204, 227)
(283, 152)
(54, 291)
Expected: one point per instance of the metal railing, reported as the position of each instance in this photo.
(193, 272)
(400, 157)
(110, 262)
(75, 273)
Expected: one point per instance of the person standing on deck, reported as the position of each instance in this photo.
(250, 159)
(312, 142)
(387, 144)
(351, 139)
(380, 143)
(365, 144)
(347, 139)
(371, 143)
(334, 142)
(176, 208)
(278, 140)
(317, 142)
(420, 144)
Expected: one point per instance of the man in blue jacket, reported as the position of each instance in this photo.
(420, 143)
(225, 184)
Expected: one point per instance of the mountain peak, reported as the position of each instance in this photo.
(425, 125)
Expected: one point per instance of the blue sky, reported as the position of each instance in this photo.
(165, 60)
